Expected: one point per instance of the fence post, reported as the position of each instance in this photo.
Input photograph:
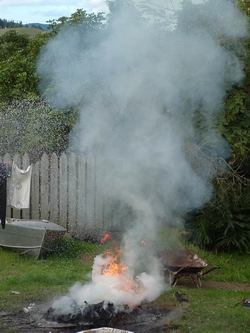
(99, 191)
(35, 191)
(17, 212)
(90, 192)
(63, 186)
(54, 208)
(72, 193)
(25, 165)
(81, 192)
(8, 159)
(44, 187)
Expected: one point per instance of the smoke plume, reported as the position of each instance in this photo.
(142, 92)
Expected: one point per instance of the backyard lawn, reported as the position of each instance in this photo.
(215, 307)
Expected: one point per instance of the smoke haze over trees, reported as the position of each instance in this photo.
(145, 95)
(138, 81)
(149, 102)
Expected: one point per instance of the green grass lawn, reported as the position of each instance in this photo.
(209, 309)
(217, 307)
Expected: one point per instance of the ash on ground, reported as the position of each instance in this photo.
(146, 318)
(98, 315)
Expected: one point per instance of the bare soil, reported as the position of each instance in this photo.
(226, 285)
(144, 319)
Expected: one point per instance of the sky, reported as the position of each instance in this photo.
(41, 11)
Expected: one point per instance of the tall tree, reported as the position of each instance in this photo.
(18, 55)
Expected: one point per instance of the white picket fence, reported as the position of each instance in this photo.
(66, 189)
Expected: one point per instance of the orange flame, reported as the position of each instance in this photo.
(115, 267)
(105, 237)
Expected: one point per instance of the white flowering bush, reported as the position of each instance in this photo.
(31, 125)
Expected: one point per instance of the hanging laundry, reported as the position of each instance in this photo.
(4, 174)
(20, 187)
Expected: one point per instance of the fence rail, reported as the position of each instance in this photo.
(68, 189)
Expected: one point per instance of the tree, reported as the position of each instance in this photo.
(18, 55)
(81, 31)
(12, 42)
(28, 123)
(80, 18)
(26, 120)
(10, 24)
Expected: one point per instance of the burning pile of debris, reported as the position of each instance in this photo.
(98, 315)
(114, 296)
(143, 318)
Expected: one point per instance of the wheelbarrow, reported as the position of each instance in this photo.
(183, 263)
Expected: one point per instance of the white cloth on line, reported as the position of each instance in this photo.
(20, 187)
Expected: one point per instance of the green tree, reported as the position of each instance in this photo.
(80, 18)
(28, 123)
(81, 31)
(10, 24)
(12, 42)
(18, 55)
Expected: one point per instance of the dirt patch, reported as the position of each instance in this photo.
(226, 285)
(87, 258)
(210, 284)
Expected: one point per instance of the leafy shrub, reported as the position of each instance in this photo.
(224, 223)
(69, 248)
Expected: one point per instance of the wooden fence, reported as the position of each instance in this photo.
(68, 189)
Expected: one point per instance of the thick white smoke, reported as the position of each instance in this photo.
(120, 289)
(140, 92)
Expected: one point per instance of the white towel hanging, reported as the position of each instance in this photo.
(20, 187)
